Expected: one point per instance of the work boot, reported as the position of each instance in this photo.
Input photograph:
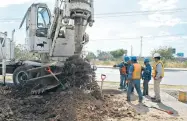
(156, 101)
(140, 101)
(125, 88)
(120, 88)
(153, 98)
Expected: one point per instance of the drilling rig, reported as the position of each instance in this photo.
(55, 37)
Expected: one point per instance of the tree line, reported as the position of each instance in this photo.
(21, 53)
(165, 52)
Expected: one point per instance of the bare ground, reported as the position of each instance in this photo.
(75, 105)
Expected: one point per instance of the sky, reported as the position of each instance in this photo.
(114, 31)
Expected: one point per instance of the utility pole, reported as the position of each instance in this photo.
(141, 46)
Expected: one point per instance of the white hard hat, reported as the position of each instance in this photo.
(156, 55)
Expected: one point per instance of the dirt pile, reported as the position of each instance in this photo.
(78, 72)
(80, 101)
(70, 105)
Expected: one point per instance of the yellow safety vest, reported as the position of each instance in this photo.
(154, 72)
(137, 71)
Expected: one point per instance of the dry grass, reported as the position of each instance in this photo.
(168, 64)
(115, 85)
(9, 77)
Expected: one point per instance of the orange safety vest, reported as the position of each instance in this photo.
(123, 70)
(137, 71)
(154, 72)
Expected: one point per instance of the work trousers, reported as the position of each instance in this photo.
(136, 84)
(145, 87)
(132, 90)
(122, 81)
(157, 89)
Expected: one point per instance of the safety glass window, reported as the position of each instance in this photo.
(2, 42)
(43, 18)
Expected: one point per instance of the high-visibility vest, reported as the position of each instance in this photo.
(154, 72)
(137, 71)
(123, 70)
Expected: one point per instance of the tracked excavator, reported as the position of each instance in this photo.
(57, 37)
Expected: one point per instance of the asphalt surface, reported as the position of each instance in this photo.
(172, 77)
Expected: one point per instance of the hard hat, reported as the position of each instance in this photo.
(133, 58)
(146, 60)
(126, 58)
(156, 55)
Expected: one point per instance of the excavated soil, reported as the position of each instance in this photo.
(69, 105)
(72, 104)
(80, 101)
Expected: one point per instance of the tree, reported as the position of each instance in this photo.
(118, 53)
(22, 54)
(90, 56)
(103, 55)
(164, 51)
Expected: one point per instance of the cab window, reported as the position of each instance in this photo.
(2, 41)
(43, 18)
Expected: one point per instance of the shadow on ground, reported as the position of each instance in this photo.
(161, 106)
(167, 108)
(140, 108)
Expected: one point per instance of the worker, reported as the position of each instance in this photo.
(158, 74)
(129, 62)
(134, 76)
(146, 76)
(123, 72)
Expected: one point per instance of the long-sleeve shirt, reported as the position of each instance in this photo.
(147, 73)
(158, 71)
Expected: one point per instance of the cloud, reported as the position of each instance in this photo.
(158, 4)
(5, 3)
(158, 19)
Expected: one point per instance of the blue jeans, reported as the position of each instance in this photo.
(136, 84)
(122, 81)
(132, 90)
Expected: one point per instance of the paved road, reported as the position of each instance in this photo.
(172, 77)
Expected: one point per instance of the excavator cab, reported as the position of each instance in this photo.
(38, 20)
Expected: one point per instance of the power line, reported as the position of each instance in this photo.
(131, 38)
(117, 14)
(153, 11)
